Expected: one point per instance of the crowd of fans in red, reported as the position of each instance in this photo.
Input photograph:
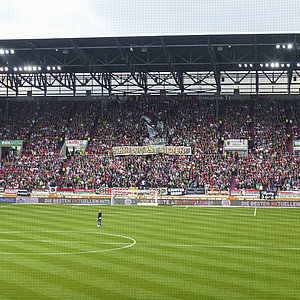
(268, 126)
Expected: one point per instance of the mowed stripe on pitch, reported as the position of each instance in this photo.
(149, 269)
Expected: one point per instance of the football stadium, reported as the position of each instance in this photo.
(149, 150)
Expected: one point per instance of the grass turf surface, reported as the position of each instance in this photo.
(58, 252)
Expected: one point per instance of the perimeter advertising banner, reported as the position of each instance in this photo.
(7, 200)
(288, 194)
(107, 191)
(251, 193)
(11, 191)
(31, 200)
(195, 191)
(227, 203)
(176, 192)
(180, 202)
(191, 202)
(268, 195)
(154, 149)
(252, 203)
(218, 192)
(74, 201)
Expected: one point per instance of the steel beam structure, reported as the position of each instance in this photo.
(219, 64)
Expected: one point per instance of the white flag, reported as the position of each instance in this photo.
(152, 132)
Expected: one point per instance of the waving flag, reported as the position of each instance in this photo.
(151, 131)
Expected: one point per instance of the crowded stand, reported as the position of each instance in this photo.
(237, 120)
(268, 172)
(295, 121)
(81, 120)
(22, 116)
(140, 121)
(30, 172)
(270, 133)
(91, 172)
(48, 129)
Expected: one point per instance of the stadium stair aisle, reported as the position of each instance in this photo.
(221, 127)
(251, 134)
(290, 145)
(93, 132)
(233, 182)
(290, 137)
(64, 166)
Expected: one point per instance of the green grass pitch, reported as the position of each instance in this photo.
(58, 252)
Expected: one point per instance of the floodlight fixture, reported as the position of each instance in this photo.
(267, 65)
(2, 51)
(290, 46)
(6, 69)
(276, 65)
(288, 65)
(277, 46)
(34, 68)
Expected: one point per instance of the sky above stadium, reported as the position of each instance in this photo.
(20, 19)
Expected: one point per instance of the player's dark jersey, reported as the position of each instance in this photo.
(99, 215)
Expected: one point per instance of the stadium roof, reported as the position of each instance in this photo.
(139, 56)
(144, 54)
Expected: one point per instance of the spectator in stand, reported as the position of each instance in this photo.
(237, 118)
(183, 122)
(270, 134)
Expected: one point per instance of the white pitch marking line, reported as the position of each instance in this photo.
(232, 247)
(126, 245)
(208, 214)
(66, 242)
(128, 213)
